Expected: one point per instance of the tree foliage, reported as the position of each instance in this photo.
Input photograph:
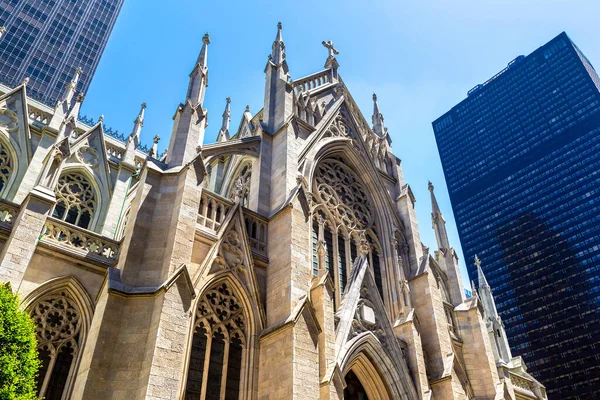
(19, 363)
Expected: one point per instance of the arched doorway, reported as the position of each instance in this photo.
(354, 389)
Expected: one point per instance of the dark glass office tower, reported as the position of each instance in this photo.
(521, 156)
(46, 40)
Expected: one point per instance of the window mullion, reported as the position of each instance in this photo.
(224, 369)
(53, 356)
(206, 364)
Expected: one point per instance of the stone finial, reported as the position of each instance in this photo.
(101, 119)
(154, 149)
(25, 81)
(377, 119)
(430, 186)
(2, 30)
(363, 244)
(247, 108)
(277, 56)
(477, 261)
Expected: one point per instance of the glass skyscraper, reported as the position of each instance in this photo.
(46, 40)
(521, 156)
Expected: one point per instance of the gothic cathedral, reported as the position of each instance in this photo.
(282, 261)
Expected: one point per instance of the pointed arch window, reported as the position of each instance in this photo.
(6, 166)
(75, 200)
(344, 200)
(218, 347)
(59, 324)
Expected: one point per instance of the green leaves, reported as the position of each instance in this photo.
(19, 362)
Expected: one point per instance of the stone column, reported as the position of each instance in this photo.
(22, 242)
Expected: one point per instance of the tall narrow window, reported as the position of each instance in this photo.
(58, 331)
(75, 200)
(5, 166)
(342, 262)
(353, 251)
(315, 241)
(377, 272)
(329, 254)
(217, 352)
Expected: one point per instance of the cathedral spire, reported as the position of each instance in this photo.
(377, 119)
(493, 321)
(190, 118)
(480, 276)
(224, 131)
(199, 75)
(137, 126)
(278, 90)
(437, 221)
(277, 56)
(71, 87)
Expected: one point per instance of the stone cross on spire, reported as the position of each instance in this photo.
(331, 62)
(329, 46)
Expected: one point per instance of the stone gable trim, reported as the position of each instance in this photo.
(293, 318)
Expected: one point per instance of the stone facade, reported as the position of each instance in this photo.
(283, 261)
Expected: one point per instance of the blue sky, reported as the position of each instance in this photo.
(420, 57)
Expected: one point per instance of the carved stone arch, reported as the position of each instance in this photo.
(62, 310)
(253, 325)
(14, 129)
(102, 198)
(231, 180)
(383, 213)
(366, 357)
(9, 166)
(329, 147)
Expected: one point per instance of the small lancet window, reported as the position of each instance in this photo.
(218, 345)
(75, 200)
(342, 263)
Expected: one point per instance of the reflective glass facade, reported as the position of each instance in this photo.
(521, 156)
(46, 40)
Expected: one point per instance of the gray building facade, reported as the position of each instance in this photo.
(48, 40)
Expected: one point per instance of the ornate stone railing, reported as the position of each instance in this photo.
(213, 210)
(521, 382)
(256, 226)
(8, 214)
(39, 116)
(76, 240)
(114, 151)
(312, 81)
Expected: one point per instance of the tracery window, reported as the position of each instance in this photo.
(342, 218)
(241, 186)
(76, 200)
(59, 323)
(218, 347)
(5, 166)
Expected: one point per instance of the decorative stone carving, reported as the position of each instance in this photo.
(6, 166)
(88, 156)
(9, 120)
(57, 320)
(339, 128)
(342, 193)
(220, 308)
